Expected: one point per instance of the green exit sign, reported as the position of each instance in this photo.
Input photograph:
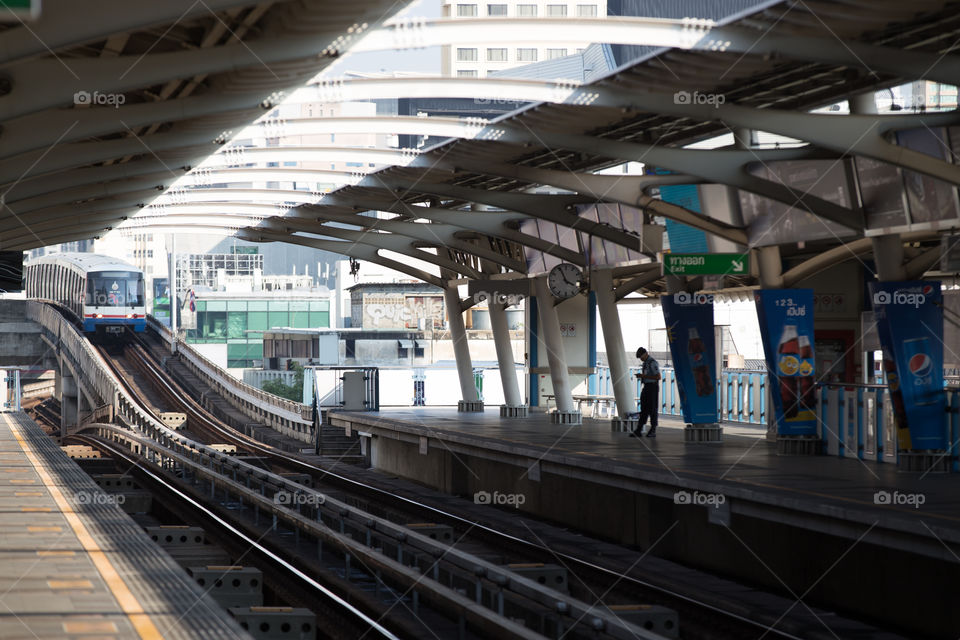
(701, 264)
(16, 10)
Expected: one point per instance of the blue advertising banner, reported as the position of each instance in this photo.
(909, 320)
(786, 326)
(689, 320)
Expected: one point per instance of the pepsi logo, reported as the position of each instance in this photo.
(927, 289)
(920, 365)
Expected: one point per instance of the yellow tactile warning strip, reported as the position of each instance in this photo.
(128, 603)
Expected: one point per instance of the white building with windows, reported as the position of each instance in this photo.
(476, 60)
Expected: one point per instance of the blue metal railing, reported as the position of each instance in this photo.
(856, 420)
(743, 393)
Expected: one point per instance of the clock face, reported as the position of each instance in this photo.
(564, 280)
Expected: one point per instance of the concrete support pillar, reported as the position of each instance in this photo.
(770, 272)
(888, 256)
(461, 351)
(68, 402)
(550, 322)
(623, 382)
(514, 406)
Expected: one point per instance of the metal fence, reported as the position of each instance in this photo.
(855, 420)
(742, 393)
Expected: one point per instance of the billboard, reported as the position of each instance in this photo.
(909, 320)
(689, 321)
(786, 327)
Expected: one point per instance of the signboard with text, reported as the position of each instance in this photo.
(698, 264)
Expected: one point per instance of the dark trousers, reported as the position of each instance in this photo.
(649, 404)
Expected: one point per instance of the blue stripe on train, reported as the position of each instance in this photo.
(90, 324)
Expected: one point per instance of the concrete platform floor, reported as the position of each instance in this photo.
(745, 464)
(74, 565)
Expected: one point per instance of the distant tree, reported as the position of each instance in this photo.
(289, 391)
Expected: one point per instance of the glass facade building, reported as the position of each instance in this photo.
(240, 324)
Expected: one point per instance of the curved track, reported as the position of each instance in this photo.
(698, 619)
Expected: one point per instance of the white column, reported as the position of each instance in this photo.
(461, 348)
(555, 355)
(613, 340)
(501, 340)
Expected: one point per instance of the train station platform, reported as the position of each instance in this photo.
(788, 519)
(74, 565)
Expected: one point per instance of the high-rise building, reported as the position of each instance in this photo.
(476, 60)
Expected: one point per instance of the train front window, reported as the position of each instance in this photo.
(115, 289)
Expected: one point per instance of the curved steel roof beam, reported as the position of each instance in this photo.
(156, 182)
(188, 144)
(360, 252)
(498, 224)
(693, 34)
(437, 126)
(62, 126)
(379, 240)
(59, 25)
(439, 235)
(174, 196)
(847, 134)
(625, 189)
(42, 218)
(554, 208)
(46, 83)
(722, 166)
(93, 176)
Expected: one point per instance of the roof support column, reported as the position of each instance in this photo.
(513, 406)
(888, 249)
(470, 401)
(602, 281)
(556, 358)
(770, 272)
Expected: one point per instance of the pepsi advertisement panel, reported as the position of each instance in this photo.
(910, 323)
(689, 320)
(786, 326)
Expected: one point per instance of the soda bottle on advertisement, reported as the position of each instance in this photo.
(788, 364)
(916, 351)
(698, 362)
(808, 397)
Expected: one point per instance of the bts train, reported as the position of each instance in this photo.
(104, 293)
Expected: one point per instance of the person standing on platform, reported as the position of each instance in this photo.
(649, 395)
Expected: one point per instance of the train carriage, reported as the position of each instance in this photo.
(103, 293)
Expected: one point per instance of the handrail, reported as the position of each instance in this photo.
(287, 409)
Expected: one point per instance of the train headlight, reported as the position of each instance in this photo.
(130, 315)
(99, 315)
